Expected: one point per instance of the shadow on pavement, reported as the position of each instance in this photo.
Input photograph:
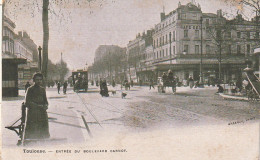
(13, 98)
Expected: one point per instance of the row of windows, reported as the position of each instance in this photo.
(8, 33)
(165, 24)
(228, 49)
(164, 39)
(8, 47)
(165, 52)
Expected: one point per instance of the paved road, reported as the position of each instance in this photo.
(147, 109)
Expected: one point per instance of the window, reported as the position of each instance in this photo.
(173, 49)
(157, 43)
(157, 54)
(173, 36)
(207, 49)
(160, 41)
(185, 33)
(183, 16)
(257, 35)
(238, 49)
(229, 49)
(186, 49)
(153, 43)
(166, 39)
(238, 34)
(248, 49)
(207, 34)
(197, 49)
(197, 33)
(160, 53)
(228, 34)
(166, 52)
(163, 40)
(207, 22)
(163, 53)
(248, 35)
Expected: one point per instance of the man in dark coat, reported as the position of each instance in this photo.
(58, 87)
(36, 126)
(65, 85)
(27, 86)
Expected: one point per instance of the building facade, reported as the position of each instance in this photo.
(23, 49)
(178, 39)
(10, 61)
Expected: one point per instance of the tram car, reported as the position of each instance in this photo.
(80, 80)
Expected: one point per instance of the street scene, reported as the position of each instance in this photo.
(82, 73)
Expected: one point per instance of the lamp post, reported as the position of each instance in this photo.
(40, 58)
(201, 50)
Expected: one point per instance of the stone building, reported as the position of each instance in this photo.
(10, 61)
(24, 50)
(177, 44)
(139, 52)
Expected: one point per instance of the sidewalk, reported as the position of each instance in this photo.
(65, 125)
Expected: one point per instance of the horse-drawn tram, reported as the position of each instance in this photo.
(80, 80)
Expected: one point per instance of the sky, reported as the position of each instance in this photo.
(78, 27)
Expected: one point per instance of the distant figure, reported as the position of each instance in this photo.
(132, 83)
(191, 82)
(27, 85)
(65, 85)
(113, 83)
(58, 87)
(220, 89)
(151, 83)
(97, 83)
(92, 83)
(164, 80)
(140, 82)
(104, 89)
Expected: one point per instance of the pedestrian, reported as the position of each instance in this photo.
(220, 89)
(58, 87)
(140, 82)
(104, 89)
(151, 83)
(65, 85)
(132, 83)
(191, 82)
(27, 85)
(36, 125)
(113, 83)
(164, 79)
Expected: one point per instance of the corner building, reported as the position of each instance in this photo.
(177, 44)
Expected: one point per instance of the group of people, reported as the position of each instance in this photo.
(65, 85)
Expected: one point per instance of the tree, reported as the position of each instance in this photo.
(16, 5)
(247, 5)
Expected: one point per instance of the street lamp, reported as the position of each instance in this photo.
(201, 50)
(40, 58)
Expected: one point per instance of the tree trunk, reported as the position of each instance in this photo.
(45, 24)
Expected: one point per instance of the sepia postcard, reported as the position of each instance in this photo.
(130, 79)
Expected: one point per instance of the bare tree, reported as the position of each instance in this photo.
(29, 6)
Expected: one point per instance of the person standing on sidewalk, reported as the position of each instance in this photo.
(191, 82)
(36, 126)
(58, 87)
(27, 86)
(151, 83)
(65, 85)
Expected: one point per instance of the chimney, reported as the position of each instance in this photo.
(219, 13)
(162, 16)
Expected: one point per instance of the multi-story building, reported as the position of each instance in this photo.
(24, 50)
(9, 60)
(178, 39)
(137, 52)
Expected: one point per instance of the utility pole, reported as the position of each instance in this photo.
(201, 50)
